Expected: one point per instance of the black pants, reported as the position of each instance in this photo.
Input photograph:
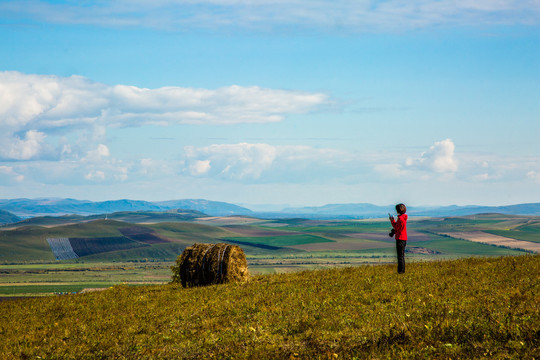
(400, 247)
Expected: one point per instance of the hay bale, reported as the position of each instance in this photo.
(205, 264)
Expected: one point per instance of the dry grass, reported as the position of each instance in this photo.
(482, 308)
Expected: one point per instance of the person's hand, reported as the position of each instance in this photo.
(390, 217)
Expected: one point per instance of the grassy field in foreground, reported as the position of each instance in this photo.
(459, 309)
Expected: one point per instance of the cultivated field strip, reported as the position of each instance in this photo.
(485, 238)
(61, 248)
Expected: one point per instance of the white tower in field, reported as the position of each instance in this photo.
(106, 216)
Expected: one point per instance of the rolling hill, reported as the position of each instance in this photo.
(126, 216)
(132, 236)
(106, 240)
(7, 218)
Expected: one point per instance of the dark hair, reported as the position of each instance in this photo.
(401, 208)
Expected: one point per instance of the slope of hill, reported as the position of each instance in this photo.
(448, 309)
(7, 218)
(163, 241)
(213, 208)
(126, 216)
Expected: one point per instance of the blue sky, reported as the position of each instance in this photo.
(271, 102)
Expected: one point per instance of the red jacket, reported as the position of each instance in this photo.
(400, 226)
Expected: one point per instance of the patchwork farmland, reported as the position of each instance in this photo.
(497, 240)
(100, 253)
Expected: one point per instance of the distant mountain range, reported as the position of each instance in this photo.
(58, 207)
(370, 211)
(11, 210)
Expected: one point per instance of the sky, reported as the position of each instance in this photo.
(271, 103)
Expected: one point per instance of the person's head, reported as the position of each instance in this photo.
(401, 209)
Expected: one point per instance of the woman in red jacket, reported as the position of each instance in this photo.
(400, 228)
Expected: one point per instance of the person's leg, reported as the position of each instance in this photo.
(400, 247)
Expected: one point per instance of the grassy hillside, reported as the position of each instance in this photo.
(460, 309)
(125, 216)
(28, 243)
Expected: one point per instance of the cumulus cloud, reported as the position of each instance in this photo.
(265, 163)
(97, 155)
(363, 15)
(199, 167)
(45, 101)
(109, 171)
(122, 173)
(229, 105)
(22, 149)
(9, 175)
(440, 158)
(96, 175)
(152, 168)
(40, 102)
(237, 161)
(37, 105)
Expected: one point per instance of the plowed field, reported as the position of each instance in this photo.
(485, 238)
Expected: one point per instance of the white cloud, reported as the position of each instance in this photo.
(22, 149)
(109, 172)
(8, 175)
(264, 163)
(481, 177)
(199, 167)
(95, 175)
(122, 174)
(237, 161)
(260, 162)
(229, 105)
(439, 158)
(361, 15)
(152, 168)
(40, 104)
(97, 155)
(44, 101)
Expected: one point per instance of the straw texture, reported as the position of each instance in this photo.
(205, 264)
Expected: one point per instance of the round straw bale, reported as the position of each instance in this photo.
(205, 264)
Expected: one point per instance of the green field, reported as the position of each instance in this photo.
(525, 233)
(280, 241)
(474, 308)
(31, 290)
